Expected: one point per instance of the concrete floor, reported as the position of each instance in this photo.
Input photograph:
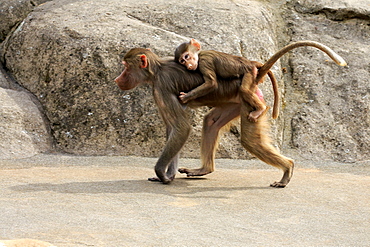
(107, 201)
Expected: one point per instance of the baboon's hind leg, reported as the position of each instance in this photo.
(255, 139)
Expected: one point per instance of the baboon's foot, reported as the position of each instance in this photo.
(278, 184)
(285, 179)
(166, 181)
(194, 172)
(154, 179)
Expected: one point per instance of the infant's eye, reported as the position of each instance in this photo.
(186, 56)
(182, 61)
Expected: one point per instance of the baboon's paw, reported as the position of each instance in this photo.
(278, 185)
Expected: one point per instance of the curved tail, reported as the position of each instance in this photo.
(267, 66)
(275, 109)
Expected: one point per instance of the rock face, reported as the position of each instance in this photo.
(12, 12)
(68, 52)
(331, 118)
(23, 130)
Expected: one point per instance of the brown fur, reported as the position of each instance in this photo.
(213, 64)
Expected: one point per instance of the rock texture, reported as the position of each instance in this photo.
(23, 130)
(12, 12)
(332, 117)
(68, 52)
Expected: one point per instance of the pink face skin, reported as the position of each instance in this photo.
(190, 60)
(122, 80)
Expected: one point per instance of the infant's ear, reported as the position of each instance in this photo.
(195, 43)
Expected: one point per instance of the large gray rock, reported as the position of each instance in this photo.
(23, 131)
(330, 105)
(68, 52)
(12, 12)
(339, 10)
